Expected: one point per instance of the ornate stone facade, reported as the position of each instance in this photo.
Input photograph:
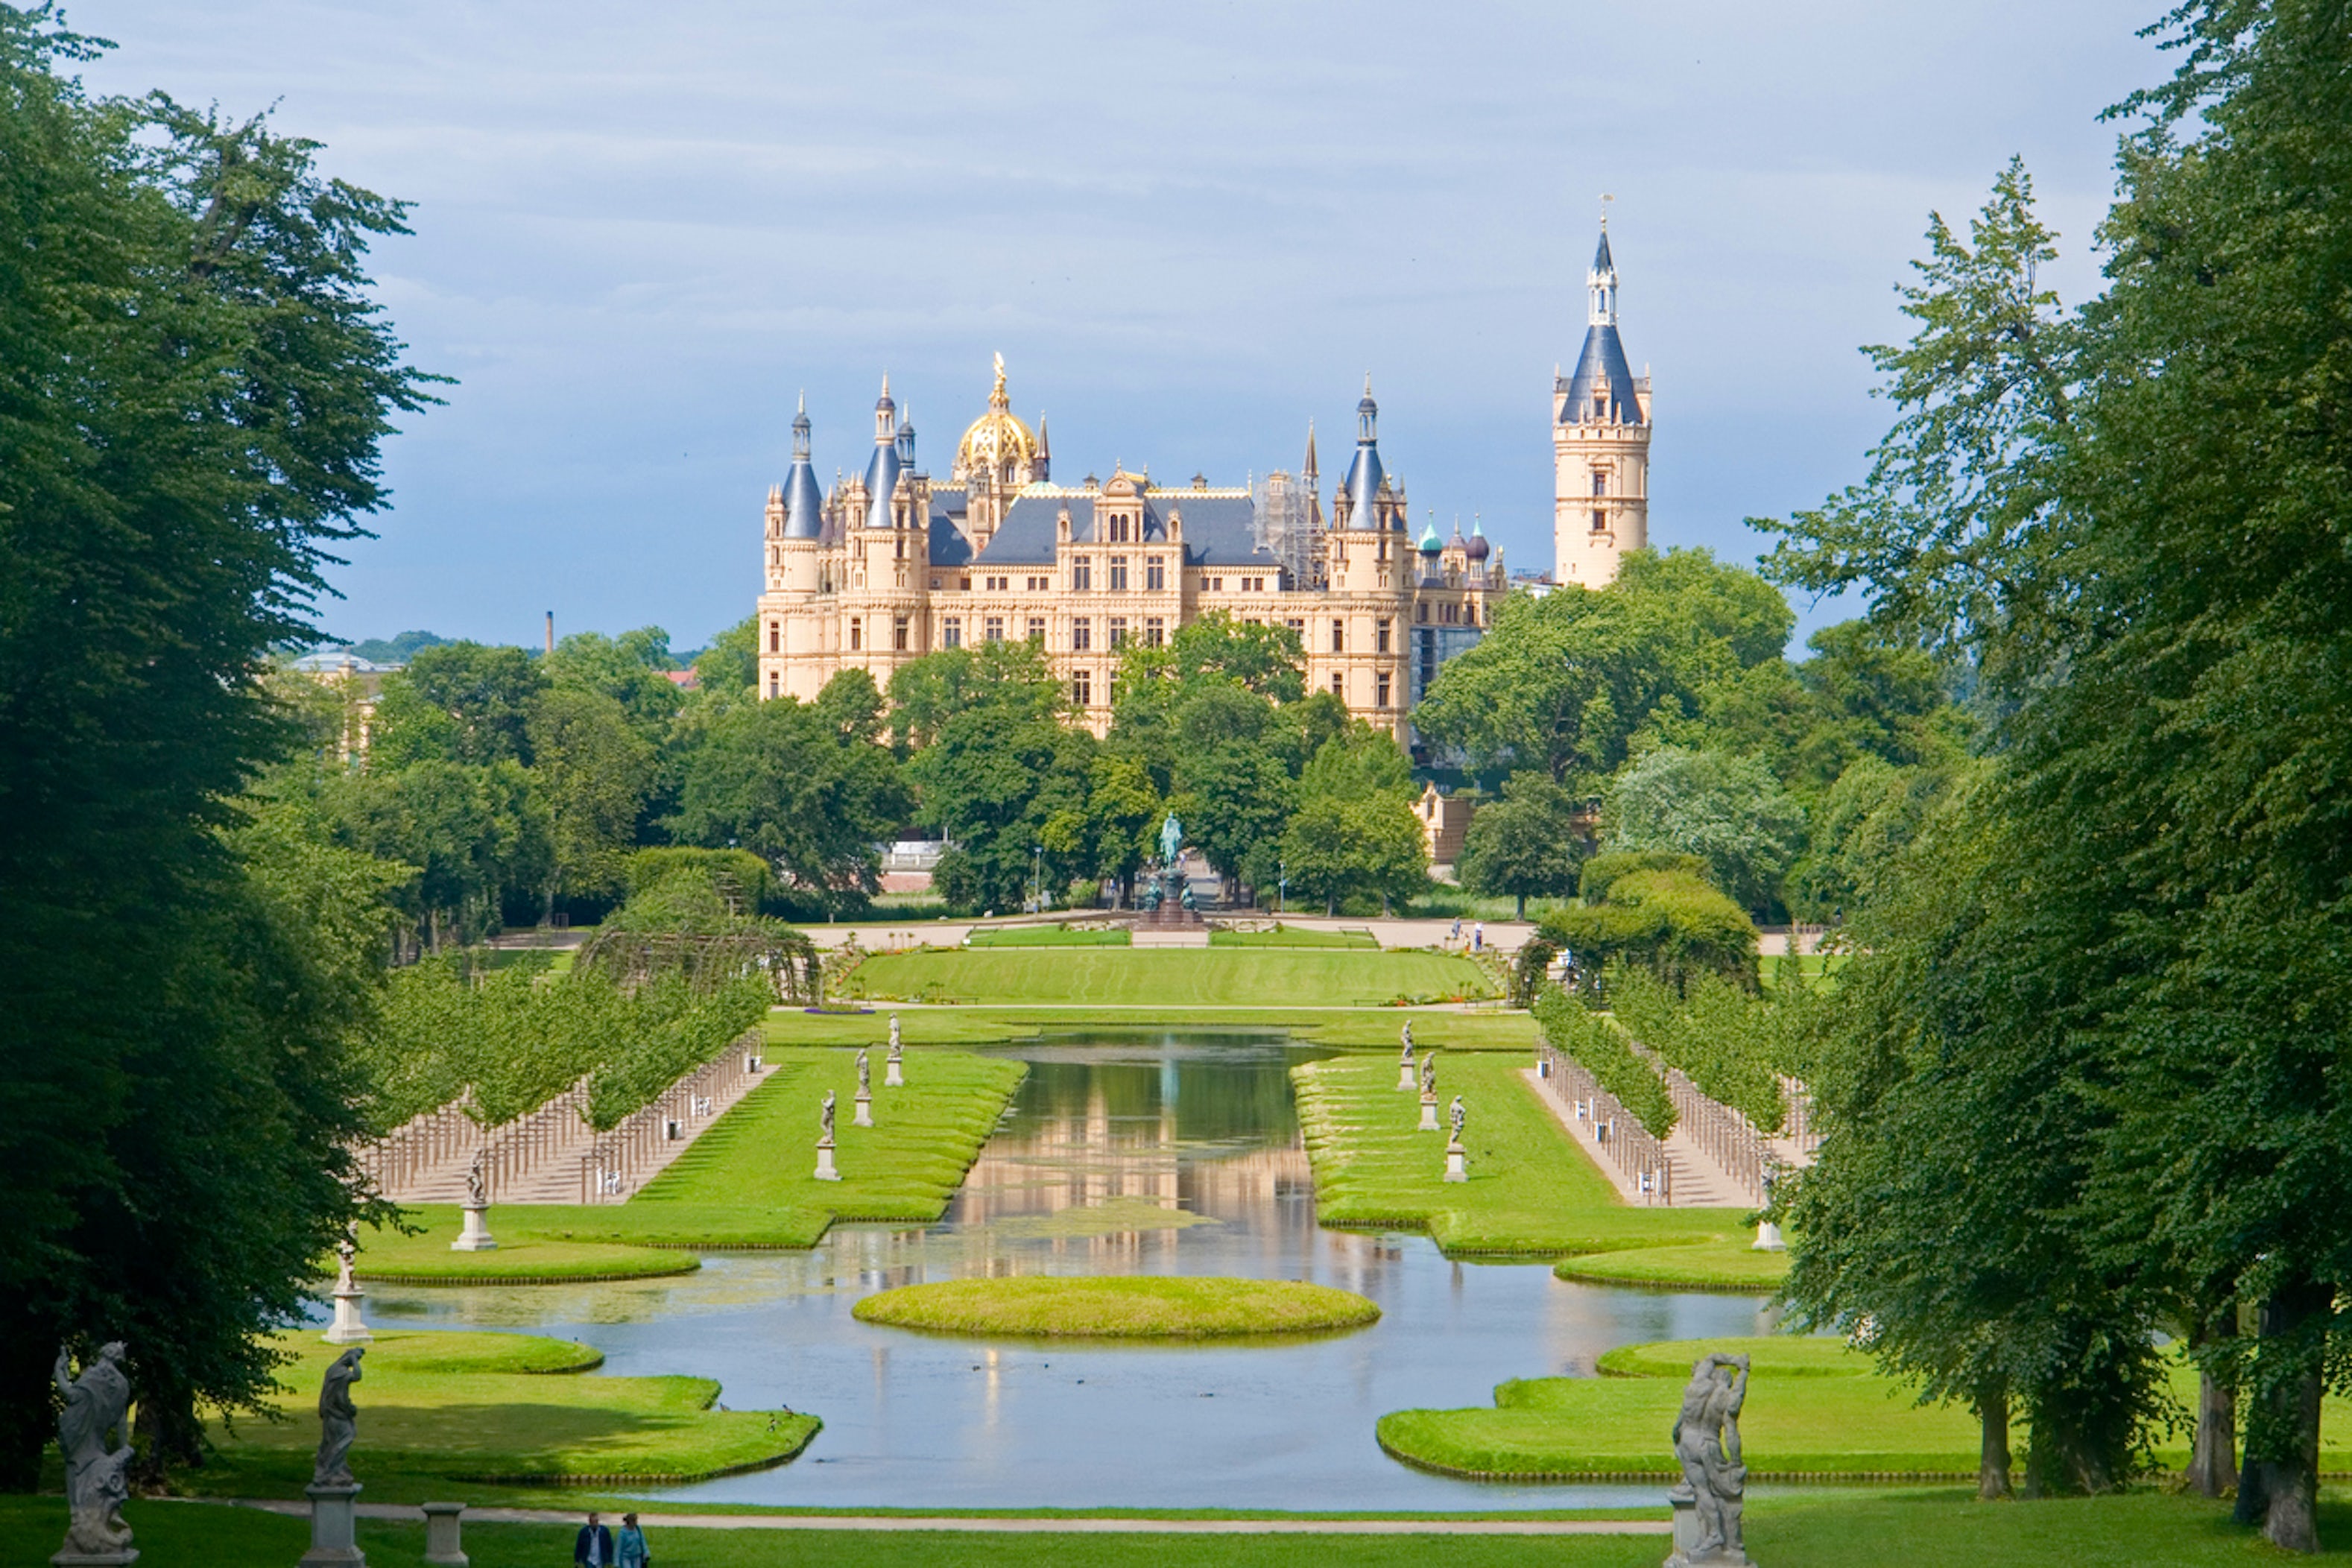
(893, 564)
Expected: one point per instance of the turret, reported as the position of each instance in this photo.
(1601, 443)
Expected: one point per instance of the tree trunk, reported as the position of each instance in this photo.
(1523, 908)
(1993, 1457)
(2279, 1487)
(165, 1431)
(2213, 1461)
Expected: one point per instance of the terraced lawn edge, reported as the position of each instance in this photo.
(1146, 1307)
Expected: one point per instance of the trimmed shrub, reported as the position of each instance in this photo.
(1666, 921)
(1600, 1048)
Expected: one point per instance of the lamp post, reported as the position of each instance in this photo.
(1038, 881)
(1281, 889)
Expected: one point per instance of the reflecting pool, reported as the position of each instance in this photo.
(1120, 1154)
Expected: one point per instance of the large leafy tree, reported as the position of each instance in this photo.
(197, 382)
(1728, 811)
(458, 702)
(1525, 846)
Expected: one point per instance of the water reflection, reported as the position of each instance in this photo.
(1137, 1154)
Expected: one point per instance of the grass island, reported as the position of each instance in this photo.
(1119, 1308)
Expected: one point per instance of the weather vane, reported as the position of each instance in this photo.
(1606, 199)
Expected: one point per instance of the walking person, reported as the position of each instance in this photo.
(634, 1551)
(592, 1547)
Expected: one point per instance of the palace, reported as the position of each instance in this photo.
(891, 563)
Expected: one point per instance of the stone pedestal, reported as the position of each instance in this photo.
(1457, 1162)
(1688, 1532)
(67, 1557)
(1767, 1237)
(1428, 1113)
(824, 1170)
(334, 1519)
(348, 1327)
(442, 1547)
(862, 1116)
(475, 1237)
(1407, 1078)
(891, 1077)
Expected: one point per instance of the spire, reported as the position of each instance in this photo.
(803, 503)
(1601, 284)
(1364, 473)
(906, 437)
(801, 431)
(886, 424)
(1368, 415)
(1044, 450)
(1310, 470)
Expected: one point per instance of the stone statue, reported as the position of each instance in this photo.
(824, 1116)
(478, 1182)
(339, 1421)
(1457, 1113)
(1429, 1073)
(1706, 1442)
(1172, 839)
(96, 1483)
(1406, 1034)
(894, 1034)
(865, 1075)
(346, 1258)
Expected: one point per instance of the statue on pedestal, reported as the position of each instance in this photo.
(825, 1118)
(339, 1421)
(1457, 1113)
(96, 1483)
(478, 1182)
(1429, 1075)
(1171, 840)
(1714, 1480)
(864, 1077)
(1406, 1035)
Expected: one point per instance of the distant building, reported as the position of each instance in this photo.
(362, 681)
(1444, 821)
(1601, 444)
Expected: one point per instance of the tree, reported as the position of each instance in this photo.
(1730, 812)
(811, 787)
(1524, 846)
(629, 668)
(1669, 922)
(197, 384)
(459, 702)
(1354, 834)
(1565, 682)
(594, 773)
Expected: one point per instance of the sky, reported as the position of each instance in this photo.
(641, 232)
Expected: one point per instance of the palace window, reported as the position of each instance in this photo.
(1082, 635)
(1600, 483)
(772, 685)
(1118, 631)
(775, 637)
(992, 629)
(1380, 642)
(1155, 575)
(1420, 612)
(1381, 693)
(1082, 689)
(1036, 584)
(1338, 686)
(1082, 575)
(1297, 628)
(1446, 614)
(999, 585)
(1216, 584)
(902, 550)
(952, 632)
(935, 585)
(898, 633)
(856, 634)
(964, 581)
(1338, 635)
(1599, 520)
(1155, 631)
(1037, 628)
(1118, 573)
(1118, 530)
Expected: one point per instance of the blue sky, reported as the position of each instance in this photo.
(642, 231)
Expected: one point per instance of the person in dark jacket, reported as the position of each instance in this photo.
(592, 1547)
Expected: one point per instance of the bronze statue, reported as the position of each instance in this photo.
(339, 1421)
(96, 1483)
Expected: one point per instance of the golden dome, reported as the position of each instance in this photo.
(997, 444)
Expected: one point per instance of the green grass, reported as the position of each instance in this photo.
(749, 1181)
(443, 1409)
(1816, 1410)
(1169, 978)
(1819, 969)
(1373, 1028)
(1530, 1192)
(526, 1253)
(1049, 936)
(1294, 936)
(1932, 1528)
(1124, 1308)
(1728, 1264)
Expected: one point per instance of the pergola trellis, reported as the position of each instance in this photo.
(709, 959)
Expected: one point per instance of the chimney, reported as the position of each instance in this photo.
(550, 634)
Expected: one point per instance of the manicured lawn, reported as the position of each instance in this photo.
(1531, 1191)
(1179, 978)
(1815, 1409)
(750, 1180)
(437, 1410)
(1732, 1265)
(1294, 936)
(1498, 1030)
(1048, 936)
(1127, 1307)
(1820, 1527)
